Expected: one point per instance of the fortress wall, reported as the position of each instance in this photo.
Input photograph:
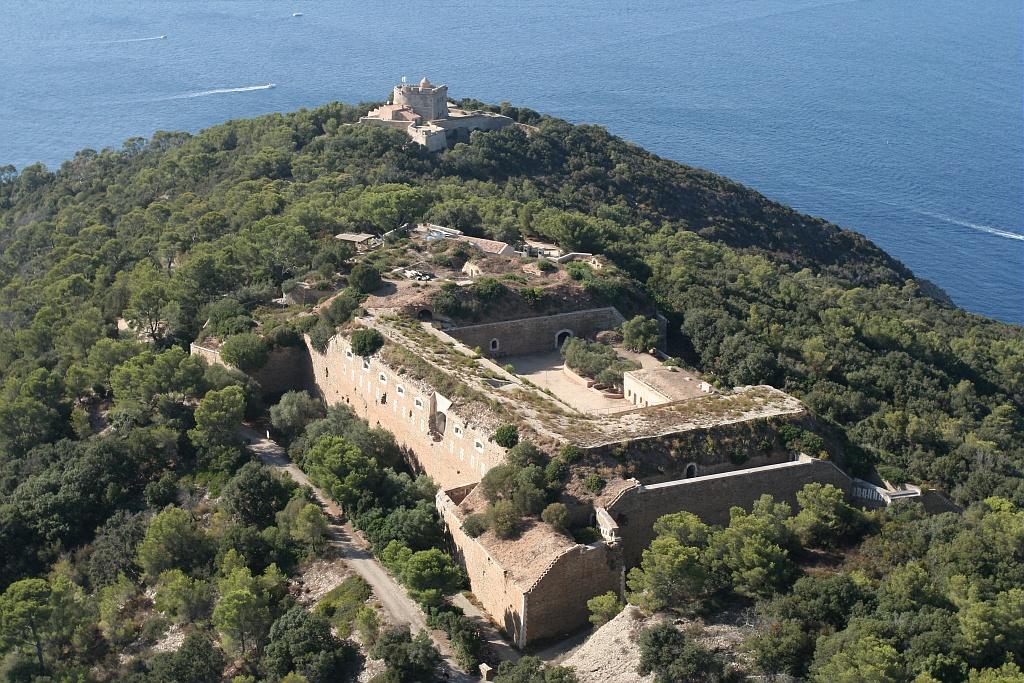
(286, 369)
(405, 407)
(557, 604)
(535, 335)
(710, 497)
(488, 580)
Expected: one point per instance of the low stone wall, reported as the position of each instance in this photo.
(535, 335)
(710, 497)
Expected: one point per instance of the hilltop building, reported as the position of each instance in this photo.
(424, 113)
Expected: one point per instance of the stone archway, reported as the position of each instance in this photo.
(561, 337)
(691, 471)
(425, 315)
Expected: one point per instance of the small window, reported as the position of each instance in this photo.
(494, 345)
(419, 403)
(401, 390)
(327, 372)
(348, 354)
(383, 377)
(366, 364)
(479, 446)
(384, 399)
(458, 431)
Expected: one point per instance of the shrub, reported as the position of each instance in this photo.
(504, 519)
(594, 482)
(557, 515)
(320, 335)
(545, 266)
(674, 658)
(247, 352)
(475, 524)
(364, 278)
(366, 342)
(342, 604)
(506, 436)
(343, 306)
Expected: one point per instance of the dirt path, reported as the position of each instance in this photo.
(396, 603)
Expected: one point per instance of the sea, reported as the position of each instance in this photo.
(901, 119)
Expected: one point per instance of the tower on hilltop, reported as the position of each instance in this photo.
(426, 99)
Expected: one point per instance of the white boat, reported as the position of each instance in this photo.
(296, 14)
(271, 85)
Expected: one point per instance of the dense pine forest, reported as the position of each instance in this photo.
(128, 507)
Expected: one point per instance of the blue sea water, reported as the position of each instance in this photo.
(901, 119)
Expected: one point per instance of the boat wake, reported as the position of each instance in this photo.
(130, 40)
(220, 91)
(999, 232)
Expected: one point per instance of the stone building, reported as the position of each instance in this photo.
(424, 113)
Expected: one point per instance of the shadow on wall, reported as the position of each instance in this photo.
(513, 626)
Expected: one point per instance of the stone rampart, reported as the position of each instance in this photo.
(556, 605)
(535, 335)
(637, 508)
(448, 443)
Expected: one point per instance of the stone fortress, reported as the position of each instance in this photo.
(669, 442)
(424, 113)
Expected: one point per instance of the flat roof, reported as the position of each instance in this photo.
(674, 384)
(354, 236)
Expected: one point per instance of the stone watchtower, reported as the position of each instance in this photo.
(426, 99)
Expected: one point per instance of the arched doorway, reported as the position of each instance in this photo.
(562, 337)
(425, 315)
(691, 471)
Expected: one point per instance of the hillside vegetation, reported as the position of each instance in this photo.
(182, 231)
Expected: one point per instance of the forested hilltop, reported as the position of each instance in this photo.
(101, 427)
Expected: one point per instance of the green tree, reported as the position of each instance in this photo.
(242, 618)
(670, 575)
(782, 647)
(604, 608)
(310, 528)
(25, 613)
(247, 352)
(825, 519)
(172, 541)
(253, 495)
(198, 660)
(301, 642)
(867, 658)
(344, 471)
(640, 334)
(218, 417)
(293, 412)
(409, 659)
(182, 597)
(431, 574)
